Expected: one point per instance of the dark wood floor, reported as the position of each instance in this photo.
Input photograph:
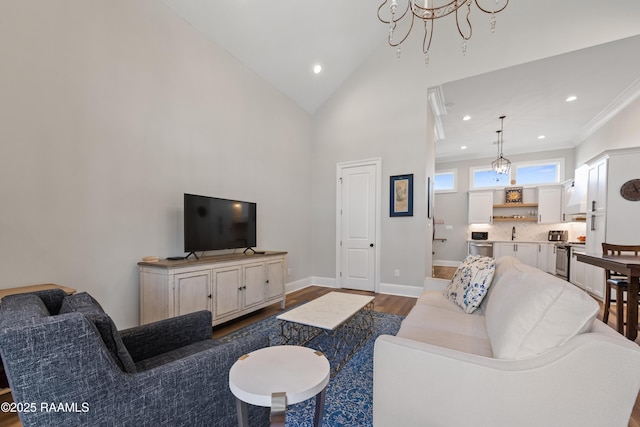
(383, 303)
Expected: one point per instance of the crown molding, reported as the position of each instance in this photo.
(438, 107)
(622, 101)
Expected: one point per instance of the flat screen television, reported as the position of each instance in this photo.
(211, 224)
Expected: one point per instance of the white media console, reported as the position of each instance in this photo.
(227, 285)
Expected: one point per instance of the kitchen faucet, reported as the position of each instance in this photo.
(513, 233)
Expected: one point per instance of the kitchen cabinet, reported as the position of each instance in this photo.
(577, 270)
(480, 207)
(227, 285)
(596, 235)
(597, 186)
(525, 252)
(549, 205)
(546, 257)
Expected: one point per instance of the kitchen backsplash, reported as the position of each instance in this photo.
(528, 231)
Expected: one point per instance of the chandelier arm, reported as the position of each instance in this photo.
(468, 22)
(397, 19)
(405, 36)
(492, 11)
(424, 40)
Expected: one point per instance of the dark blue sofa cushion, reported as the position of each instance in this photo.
(22, 307)
(85, 304)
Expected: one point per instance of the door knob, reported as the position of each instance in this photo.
(371, 245)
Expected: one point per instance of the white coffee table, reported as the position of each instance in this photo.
(279, 376)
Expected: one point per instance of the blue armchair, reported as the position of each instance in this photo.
(68, 365)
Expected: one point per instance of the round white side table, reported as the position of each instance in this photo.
(279, 376)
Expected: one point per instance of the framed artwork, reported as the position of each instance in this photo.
(513, 196)
(401, 195)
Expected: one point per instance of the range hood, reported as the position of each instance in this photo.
(577, 203)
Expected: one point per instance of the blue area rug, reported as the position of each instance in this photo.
(349, 399)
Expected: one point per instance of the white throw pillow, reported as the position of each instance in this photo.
(530, 312)
(470, 282)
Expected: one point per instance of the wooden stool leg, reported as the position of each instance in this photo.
(620, 298)
(607, 303)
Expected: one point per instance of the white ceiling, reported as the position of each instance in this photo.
(282, 40)
(532, 97)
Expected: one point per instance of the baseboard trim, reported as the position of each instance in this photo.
(401, 290)
(326, 282)
(446, 263)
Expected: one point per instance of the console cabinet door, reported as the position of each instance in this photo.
(192, 292)
(227, 285)
(253, 284)
(275, 279)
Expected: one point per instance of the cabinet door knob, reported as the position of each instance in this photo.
(267, 280)
(209, 296)
(371, 245)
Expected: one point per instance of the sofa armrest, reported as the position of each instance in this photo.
(435, 284)
(418, 384)
(155, 338)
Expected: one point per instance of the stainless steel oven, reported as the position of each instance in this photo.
(562, 261)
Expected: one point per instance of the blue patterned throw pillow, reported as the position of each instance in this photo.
(471, 281)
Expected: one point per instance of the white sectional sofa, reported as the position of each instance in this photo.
(532, 354)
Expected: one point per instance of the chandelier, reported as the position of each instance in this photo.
(501, 165)
(427, 12)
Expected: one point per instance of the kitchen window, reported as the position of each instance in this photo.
(446, 181)
(532, 173)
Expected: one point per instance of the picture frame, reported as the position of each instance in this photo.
(401, 195)
(513, 196)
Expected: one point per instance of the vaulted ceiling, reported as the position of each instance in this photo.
(282, 41)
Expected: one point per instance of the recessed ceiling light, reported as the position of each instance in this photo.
(541, 137)
(317, 68)
(464, 147)
(571, 98)
(465, 118)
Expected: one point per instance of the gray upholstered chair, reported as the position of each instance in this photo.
(66, 360)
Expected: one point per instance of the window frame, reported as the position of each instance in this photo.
(558, 162)
(513, 173)
(454, 173)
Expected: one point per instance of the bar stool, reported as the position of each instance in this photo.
(618, 283)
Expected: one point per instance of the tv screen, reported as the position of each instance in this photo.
(211, 223)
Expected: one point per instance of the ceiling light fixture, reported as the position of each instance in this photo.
(501, 165)
(317, 68)
(571, 98)
(465, 118)
(427, 11)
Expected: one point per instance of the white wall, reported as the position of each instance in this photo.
(359, 123)
(110, 111)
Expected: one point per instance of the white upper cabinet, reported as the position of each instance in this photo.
(549, 205)
(480, 207)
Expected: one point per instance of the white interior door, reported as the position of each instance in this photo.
(358, 226)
